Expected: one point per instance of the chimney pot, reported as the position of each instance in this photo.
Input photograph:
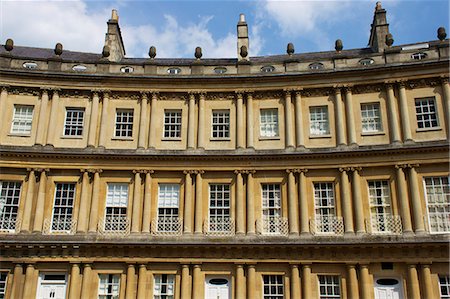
(241, 18)
(114, 15)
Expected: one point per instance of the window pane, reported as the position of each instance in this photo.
(318, 117)
(22, 119)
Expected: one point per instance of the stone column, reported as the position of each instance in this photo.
(415, 200)
(427, 284)
(352, 282)
(306, 281)
(84, 202)
(3, 99)
(300, 136)
(251, 280)
(402, 194)
(187, 202)
(17, 281)
(143, 121)
(86, 281)
(240, 122)
(201, 122)
(93, 216)
(196, 282)
(28, 289)
(240, 282)
(303, 199)
(26, 217)
(185, 282)
(358, 201)
(366, 289)
(129, 291)
(39, 210)
(153, 121)
(240, 221)
(147, 202)
(404, 112)
(198, 202)
(295, 282)
(393, 115)
(136, 217)
(351, 130)
(340, 130)
(292, 204)
(43, 119)
(142, 281)
(250, 204)
(191, 122)
(74, 286)
(346, 202)
(250, 127)
(446, 100)
(104, 120)
(53, 117)
(413, 282)
(92, 133)
(289, 140)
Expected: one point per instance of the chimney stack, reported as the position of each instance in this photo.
(113, 38)
(242, 42)
(379, 29)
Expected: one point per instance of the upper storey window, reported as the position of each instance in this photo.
(221, 124)
(267, 69)
(268, 124)
(273, 287)
(437, 190)
(22, 118)
(324, 207)
(168, 204)
(316, 66)
(30, 65)
(108, 286)
(73, 126)
(172, 124)
(127, 69)
(318, 118)
(329, 287)
(220, 70)
(366, 61)
(63, 207)
(116, 208)
(371, 118)
(419, 56)
(426, 113)
(164, 286)
(219, 208)
(124, 123)
(174, 71)
(9, 199)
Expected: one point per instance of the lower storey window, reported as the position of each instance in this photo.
(438, 203)
(444, 286)
(3, 276)
(164, 287)
(329, 287)
(273, 286)
(108, 287)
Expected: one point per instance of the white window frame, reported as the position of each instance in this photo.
(117, 203)
(220, 124)
(22, 119)
(62, 213)
(219, 217)
(322, 210)
(109, 283)
(168, 206)
(271, 200)
(273, 286)
(371, 118)
(159, 283)
(3, 283)
(10, 192)
(319, 121)
(427, 117)
(268, 123)
(335, 282)
(442, 205)
(172, 124)
(444, 282)
(74, 122)
(124, 123)
(380, 203)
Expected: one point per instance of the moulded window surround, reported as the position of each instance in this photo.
(366, 61)
(124, 123)
(174, 71)
(268, 123)
(444, 286)
(319, 123)
(73, 125)
(419, 56)
(267, 69)
(3, 282)
(437, 192)
(371, 118)
(220, 124)
(9, 205)
(127, 69)
(380, 205)
(108, 286)
(63, 207)
(329, 286)
(273, 287)
(31, 65)
(426, 113)
(316, 66)
(172, 124)
(168, 206)
(219, 207)
(324, 206)
(220, 70)
(164, 286)
(22, 119)
(116, 207)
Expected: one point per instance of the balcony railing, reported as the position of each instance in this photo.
(273, 225)
(218, 226)
(167, 226)
(385, 224)
(9, 224)
(62, 226)
(327, 225)
(115, 226)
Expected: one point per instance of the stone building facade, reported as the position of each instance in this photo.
(316, 175)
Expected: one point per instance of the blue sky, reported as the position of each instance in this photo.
(177, 27)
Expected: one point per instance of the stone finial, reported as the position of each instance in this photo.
(441, 34)
(290, 49)
(198, 53)
(152, 52)
(105, 52)
(244, 51)
(241, 18)
(378, 6)
(58, 49)
(389, 39)
(114, 15)
(9, 45)
(338, 45)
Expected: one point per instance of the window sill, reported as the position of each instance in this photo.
(219, 139)
(373, 133)
(429, 129)
(171, 139)
(262, 138)
(71, 137)
(122, 138)
(319, 136)
(18, 135)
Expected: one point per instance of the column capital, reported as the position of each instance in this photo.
(189, 171)
(198, 171)
(244, 171)
(142, 171)
(44, 91)
(4, 87)
(401, 166)
(41, 170)
(444, 79)
(364, 266)
(348, 88)
(412, 165)
(239, 93)
(184, 266)
(298, 170)
(92, 170)
(337, 88)
(94, 93)
(402, 83)
(356, 168)
(142, 266)
(346, 169)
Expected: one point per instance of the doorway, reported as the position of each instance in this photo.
(388, 288)
(52, 286)
(217, 287)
